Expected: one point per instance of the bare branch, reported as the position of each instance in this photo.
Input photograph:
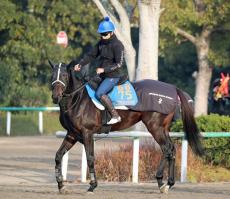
(104, 12)
(100, 7)
(133, 10)
(186, 35)
(124, 19)
(206, 31)
(162, 10)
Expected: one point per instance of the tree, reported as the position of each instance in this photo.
(28, 39)
(149, 13)
(9, 77)
(198, 21)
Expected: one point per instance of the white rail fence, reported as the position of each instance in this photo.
(40, 111)
(136, 135)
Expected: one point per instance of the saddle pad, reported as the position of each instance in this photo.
(121, 96)
(155, 96)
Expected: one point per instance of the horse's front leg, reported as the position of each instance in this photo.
(89, 149)
(66, 145)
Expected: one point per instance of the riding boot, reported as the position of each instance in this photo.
(108, 104)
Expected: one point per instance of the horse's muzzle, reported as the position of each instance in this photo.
(56, 100)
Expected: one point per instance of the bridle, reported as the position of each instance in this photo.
(72, 94)
(58, 80)
(58, 76)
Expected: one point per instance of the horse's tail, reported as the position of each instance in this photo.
(189, 124)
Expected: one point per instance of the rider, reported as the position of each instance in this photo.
(111, 56)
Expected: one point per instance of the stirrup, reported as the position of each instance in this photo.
(114, 120)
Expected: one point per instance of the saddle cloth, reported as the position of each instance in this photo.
(155, 96)
(121, 96)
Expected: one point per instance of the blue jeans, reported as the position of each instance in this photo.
(106, 85)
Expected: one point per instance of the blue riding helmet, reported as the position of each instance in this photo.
(106, 26)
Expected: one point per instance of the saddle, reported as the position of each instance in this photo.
(121, 96)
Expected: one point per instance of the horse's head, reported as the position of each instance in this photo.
(59, 81)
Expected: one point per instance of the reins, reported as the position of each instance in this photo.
(75, 92)
(79, 88)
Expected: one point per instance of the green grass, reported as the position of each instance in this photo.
(208, 173)
(26, 123)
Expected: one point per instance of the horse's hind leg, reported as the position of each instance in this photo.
(168, 156)
(160, 171)
(168, 150)
(171, 160)
(66, 145)
(162, 140)
(156, 125)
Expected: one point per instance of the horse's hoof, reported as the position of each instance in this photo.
(164, 188)
(93, 185)
(90, 192)
(63, 190)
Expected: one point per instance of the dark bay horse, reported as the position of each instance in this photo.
(81, 119)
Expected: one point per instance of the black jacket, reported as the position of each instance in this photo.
(111, 57)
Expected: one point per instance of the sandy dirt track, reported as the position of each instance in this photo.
(27, 171)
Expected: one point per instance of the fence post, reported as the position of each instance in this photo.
(8, 122)
(40, 122)
(83, 165)
(136, 142)
(184, 155)
(65, 160)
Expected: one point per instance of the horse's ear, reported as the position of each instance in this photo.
(51, 64)
(70, 65)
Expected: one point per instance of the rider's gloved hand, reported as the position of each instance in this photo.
(77, 67)
(100, 70)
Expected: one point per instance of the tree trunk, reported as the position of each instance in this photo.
(203, 78)
(148, 39)
(130, 59)
(130, 54)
